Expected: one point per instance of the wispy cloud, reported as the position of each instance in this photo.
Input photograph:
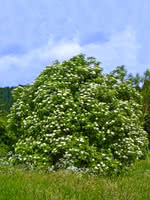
(122, 48)
(35, 33)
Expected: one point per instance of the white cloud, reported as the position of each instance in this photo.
(122, 48)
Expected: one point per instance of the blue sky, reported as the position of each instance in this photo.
(34, 33)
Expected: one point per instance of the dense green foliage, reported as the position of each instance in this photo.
(146, 101)
(4, 138)
(142, 84)
(73, 116)
(6, 99)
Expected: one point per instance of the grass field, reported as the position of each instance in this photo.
(20, 184)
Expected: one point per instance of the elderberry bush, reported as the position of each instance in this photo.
(74, 117)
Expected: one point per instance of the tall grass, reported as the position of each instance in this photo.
(17, 183)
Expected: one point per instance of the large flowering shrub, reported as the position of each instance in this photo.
(73, 116)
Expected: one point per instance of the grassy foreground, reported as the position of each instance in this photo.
(20, 184)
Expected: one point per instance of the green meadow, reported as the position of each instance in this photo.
(18, 183)
(74, 116)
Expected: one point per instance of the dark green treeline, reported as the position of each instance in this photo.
(6, 99)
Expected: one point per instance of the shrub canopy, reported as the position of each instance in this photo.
(72, 116)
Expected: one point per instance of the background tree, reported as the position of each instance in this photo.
(146, 101)
(142, 84)
(146, 91)
(4, 138)
(119, 73)
(137, 81)
(6, 99)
